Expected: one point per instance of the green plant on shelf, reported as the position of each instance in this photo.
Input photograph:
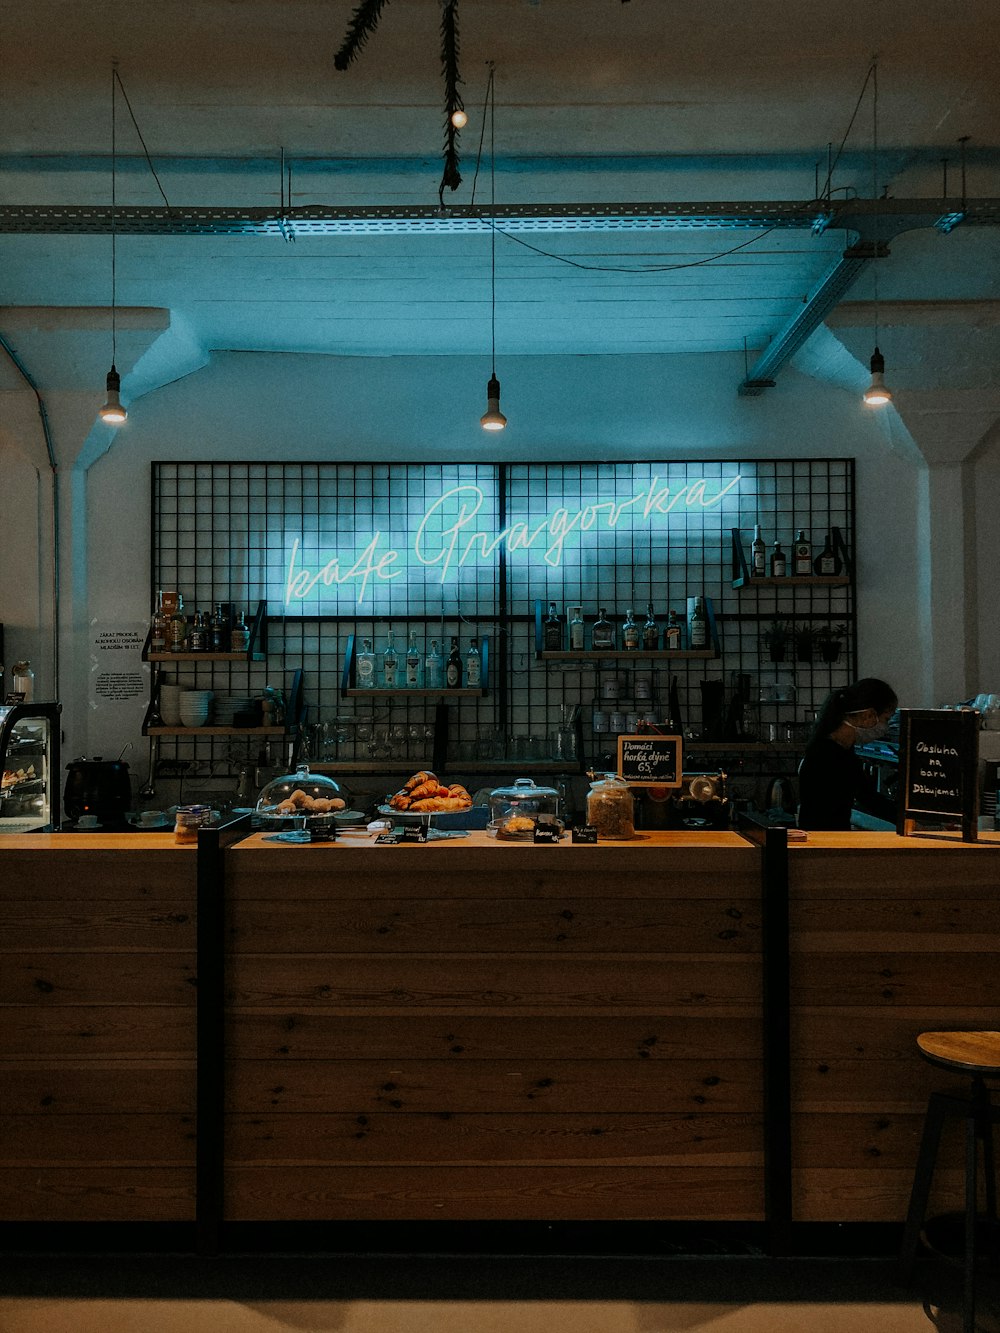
(830, 640)
(775, 637)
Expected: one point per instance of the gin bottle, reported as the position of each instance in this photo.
(412, 662)
(364, 666)
(390, 663)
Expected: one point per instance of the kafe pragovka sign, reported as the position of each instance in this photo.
(457, 529)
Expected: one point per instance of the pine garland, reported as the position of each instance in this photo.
(363, 23)
(451, 178)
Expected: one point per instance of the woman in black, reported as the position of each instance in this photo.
(831, 776)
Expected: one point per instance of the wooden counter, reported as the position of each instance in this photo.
(97, 1028)
(470, 1029)
(889, 937)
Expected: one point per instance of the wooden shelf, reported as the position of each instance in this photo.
(748, 747)
(622, 655)
(444, 693)
(214, 731)
(794, 581)
(205, 657)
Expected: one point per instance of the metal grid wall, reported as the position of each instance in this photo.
(660, 532)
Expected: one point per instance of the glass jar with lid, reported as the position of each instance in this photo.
(610, 807)
(314, 795)
(517, 809)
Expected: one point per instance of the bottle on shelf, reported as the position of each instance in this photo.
(433, 668)
(650, 631)
(828, 561)
(198, 634)
(473, 667)
(218, 633)
(412, 662)
(801, 554)
(602, 634)
(698, 625)
(178, 628)
(364, 666)
(453, 668)
(552, 637)
(576, 630)
(673, 635)
(239, 635)
(779, 562)
(158, 626)
(390, 662)
(631, 634)
(758, 566)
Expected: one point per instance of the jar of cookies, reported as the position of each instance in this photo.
(610, 807)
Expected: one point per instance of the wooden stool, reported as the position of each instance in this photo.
(976, 1054)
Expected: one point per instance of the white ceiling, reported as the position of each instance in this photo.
(596, 101)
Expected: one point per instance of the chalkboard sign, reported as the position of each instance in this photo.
(938, 757)
(650, 761)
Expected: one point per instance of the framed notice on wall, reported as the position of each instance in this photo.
(938, 758)
(650, 761)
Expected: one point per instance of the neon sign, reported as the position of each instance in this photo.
(446, 537)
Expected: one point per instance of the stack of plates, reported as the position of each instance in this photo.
(195, 706)
(227, 707)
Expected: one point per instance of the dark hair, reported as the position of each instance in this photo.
(869, 692)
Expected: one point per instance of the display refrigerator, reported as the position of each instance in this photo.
(29, 760)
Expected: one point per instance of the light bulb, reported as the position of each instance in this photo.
(877, 394)
(493, 418)
(459, 118)
(112, 413)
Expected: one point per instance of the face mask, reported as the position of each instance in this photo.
(863, 735)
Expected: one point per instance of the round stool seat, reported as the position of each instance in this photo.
(974, 1053)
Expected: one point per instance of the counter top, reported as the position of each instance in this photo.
(94, 842)
(708, 839)
(865, 841)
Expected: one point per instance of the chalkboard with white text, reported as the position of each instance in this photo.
(650, 761)
(938, 756)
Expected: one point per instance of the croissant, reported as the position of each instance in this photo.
(401, 800)
(420, 778)
(427, 803)
(456, 789)
(424, 790)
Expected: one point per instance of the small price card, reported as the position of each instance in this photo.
(584, 833)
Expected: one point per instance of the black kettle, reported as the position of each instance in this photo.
(100, 787)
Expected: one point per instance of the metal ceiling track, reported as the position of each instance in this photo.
(325, 220)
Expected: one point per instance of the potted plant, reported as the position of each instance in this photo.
(829, 641)
(805, 637)
(776, 636)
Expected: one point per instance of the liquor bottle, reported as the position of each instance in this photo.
(650, 631)
(364, 666)
(198, 636)
(602, 635)
(390, 662)
(673, 635)
(453, 668)
(412, 662)
(758, 567)
(828, 561)
(779, 564)
(630, 633)
(576, 630)
(178, 629)
(239, 635)
(218, 634)
(552, 639)
(473, 667)
(158, 627)
(433, 668)
(801, 554)
(698, 627)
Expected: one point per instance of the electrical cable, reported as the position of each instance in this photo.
(149, 161)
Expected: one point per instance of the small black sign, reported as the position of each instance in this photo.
(414, 832)
(545, 833)
(386, 840)
(650, 761)
(938, 757)
(584, 833)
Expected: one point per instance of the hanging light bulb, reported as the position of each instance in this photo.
(459, 118)
(112, 413)
(878, 393)
(493, 418)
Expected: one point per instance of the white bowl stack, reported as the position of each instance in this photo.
(170, 704)
(195, 707)
(227, 706)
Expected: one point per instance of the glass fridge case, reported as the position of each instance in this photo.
(29, 760)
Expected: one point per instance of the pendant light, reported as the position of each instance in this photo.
(878, 393)
(492, 418)
(112, 413)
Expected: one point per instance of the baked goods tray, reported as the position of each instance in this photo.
(475, 817)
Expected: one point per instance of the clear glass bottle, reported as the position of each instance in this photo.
(779, 562)
(576, 638)
(239, 635)
(178, 628)
(801, 554)
(413, 662)
(602, 634)
(364, 666)
(158, 627)
(390, 662)
(631, 633)
(758, 554)
(453, 668)
(698, 626)
(552, 639)
(433, 668)
(473, 667)
(673, 635)
(650, 631)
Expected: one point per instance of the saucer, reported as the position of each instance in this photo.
(151, 828)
